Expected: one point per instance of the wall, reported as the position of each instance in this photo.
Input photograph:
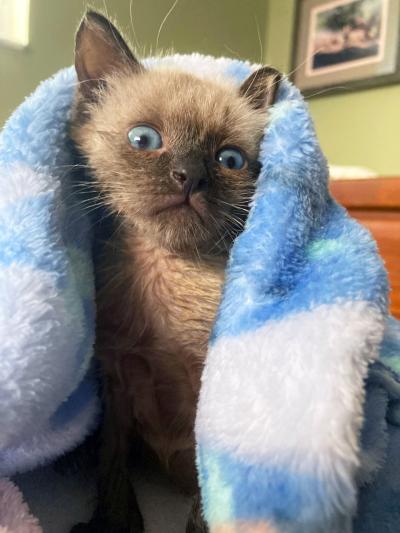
(222, 27)
(362, 128)
(355, 129)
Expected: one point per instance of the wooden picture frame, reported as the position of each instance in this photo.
(345, 45)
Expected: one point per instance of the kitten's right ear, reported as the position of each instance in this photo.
(261, 87)
(100, 50)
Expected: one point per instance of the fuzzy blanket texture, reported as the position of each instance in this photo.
(298, 419)
(14, 513)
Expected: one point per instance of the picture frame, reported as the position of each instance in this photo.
(345, 45)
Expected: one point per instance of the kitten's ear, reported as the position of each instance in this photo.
(261, 86)
(100, 50)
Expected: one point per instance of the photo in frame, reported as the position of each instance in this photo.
(346, 44)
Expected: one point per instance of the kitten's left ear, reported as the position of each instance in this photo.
(261, 86)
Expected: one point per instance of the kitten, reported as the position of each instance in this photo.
(175, 158)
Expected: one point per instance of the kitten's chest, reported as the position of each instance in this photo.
(154, 325)
(162, 299)
(178, 297)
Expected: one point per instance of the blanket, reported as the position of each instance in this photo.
(286, 440)
(14, 513)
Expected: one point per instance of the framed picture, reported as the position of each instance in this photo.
(346, 44)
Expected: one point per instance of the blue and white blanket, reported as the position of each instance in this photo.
(286, 442)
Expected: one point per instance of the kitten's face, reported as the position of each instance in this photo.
(174, 155)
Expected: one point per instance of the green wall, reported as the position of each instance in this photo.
(362, 128)
(219, 27)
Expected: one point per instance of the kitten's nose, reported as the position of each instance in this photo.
(179, 175)
(189, 181)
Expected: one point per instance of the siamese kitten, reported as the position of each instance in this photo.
(175, 158)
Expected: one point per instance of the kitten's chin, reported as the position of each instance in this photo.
(181, 208)
(181, 230)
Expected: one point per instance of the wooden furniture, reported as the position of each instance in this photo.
(376, 204)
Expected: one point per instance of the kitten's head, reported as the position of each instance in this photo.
(174, 155)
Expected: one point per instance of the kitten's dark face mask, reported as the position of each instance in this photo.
(174, 155)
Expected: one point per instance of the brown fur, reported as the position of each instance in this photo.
(155, 315)
(164, 269)
(196, 118)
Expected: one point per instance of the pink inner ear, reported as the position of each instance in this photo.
(261, 86)
(100, 50)
(98, 58)
(97, 55)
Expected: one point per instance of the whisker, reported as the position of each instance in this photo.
(298, 67)
(236, 54)
(164, 21)
(261, 61)
(236, 207)
(327, 90)
(132, 25)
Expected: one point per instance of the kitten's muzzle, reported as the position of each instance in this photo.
(190, 181)
(190, 178)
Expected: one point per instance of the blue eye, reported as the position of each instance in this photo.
(145, 138)
(231, 158)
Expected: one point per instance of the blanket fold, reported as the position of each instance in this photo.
(285, 439)
(47, 396)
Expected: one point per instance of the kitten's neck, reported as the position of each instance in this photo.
(131, 238)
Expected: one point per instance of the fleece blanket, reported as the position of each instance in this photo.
(297, 426)
(14, 513)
